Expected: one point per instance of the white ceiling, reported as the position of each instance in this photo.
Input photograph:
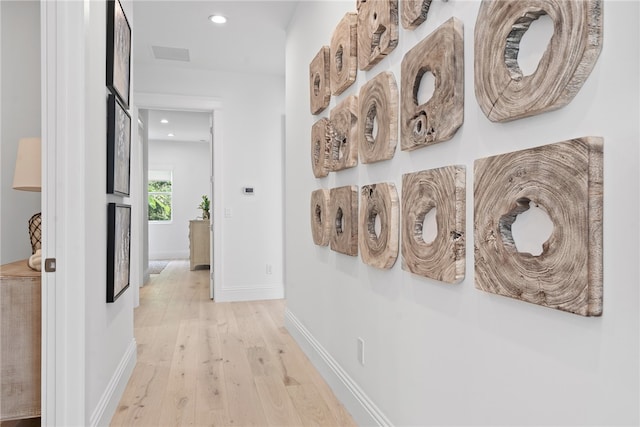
(184, 125)
(252, 40)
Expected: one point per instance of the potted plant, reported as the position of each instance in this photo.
(204, 205)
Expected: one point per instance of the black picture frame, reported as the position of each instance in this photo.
(118, 250)
(118, 148)
(118, 52)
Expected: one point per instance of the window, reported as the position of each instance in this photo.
(160, 192)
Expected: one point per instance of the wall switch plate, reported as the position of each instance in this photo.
(227, 212)
(269, 269)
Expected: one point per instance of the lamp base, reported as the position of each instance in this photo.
(35, 232)
(35, 261)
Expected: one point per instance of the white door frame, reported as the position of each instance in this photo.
(214, 106)
(63, 41)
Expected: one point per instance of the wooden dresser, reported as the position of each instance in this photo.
(199, 243)
(20, 326)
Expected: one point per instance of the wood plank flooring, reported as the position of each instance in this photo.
(202, 363)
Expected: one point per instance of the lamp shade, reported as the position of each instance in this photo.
(28, 174)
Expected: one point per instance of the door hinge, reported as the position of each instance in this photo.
(50, 265)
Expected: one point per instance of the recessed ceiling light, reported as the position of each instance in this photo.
(170, 134)
(217, 19)
(164, 121)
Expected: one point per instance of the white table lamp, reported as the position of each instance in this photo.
(28, 177)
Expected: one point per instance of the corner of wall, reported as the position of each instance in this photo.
(108, 403)
(362, 408)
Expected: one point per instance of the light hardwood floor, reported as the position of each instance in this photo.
(202, 363)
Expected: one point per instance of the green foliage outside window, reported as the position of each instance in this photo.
(159, 200)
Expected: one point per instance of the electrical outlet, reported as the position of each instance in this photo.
(228, 213)
(269, 269)
(361, 351)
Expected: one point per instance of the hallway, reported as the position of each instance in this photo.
(218, 364)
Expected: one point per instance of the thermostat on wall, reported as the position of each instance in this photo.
(249, 191)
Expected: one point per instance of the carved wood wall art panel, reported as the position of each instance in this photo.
(343, 215)
(414, 13)
(565, 180)
(319, 81)
(321, 148)
(379, 249)
(443, 189)
(344, 54)
(378, 118)
(377, 31)
(320, 220)
(344, 134)
(438, 119)
(501, 89)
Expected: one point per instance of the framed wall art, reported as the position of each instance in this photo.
(118, 148)
(118, 249)
(118, 52)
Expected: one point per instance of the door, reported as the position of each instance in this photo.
(211, 190)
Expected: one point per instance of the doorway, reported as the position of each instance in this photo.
(151, 110)
(179, 190)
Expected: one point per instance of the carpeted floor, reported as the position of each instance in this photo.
(156, 266)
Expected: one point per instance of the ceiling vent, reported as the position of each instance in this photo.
(171, 53)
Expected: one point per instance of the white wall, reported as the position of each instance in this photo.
(190, 166)
(20, 90)
(109, 327)
(441, 354)
(251, 117)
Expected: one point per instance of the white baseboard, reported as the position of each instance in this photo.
(359, 405)
(254, 293)
(102, 414)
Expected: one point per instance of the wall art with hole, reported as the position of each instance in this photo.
(377, 31)
(344, 216)
(414, 13)
(319, 81)
(442, 190)
(379, 204)
(343, 134)
(320, 148)
(378, 113)
(438, 119)
(344, 54)
(320, 223)
(501, 89)
(565, 180)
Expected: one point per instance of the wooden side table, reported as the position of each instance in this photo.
(20, 342)
(199, 243)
